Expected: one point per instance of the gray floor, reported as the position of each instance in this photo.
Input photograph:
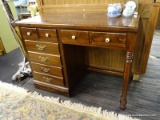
(101, 90)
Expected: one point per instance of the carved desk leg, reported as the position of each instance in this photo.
(126, 77)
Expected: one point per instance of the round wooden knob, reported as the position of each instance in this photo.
(47, 35)
(107, 40)
(73, 37)
(28, 33)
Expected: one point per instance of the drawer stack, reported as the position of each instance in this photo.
(44, 56)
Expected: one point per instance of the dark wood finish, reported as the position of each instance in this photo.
(131, 39)
(92, 56)
(73, 58)
(92, 21)
(138, 53)
(75, 37)
(86, 28)
(51, 87)
(61, 6)
(47, 59)
(47, 69)
(107, 59)
(114, 39)
(47, 34)
(149, 36)
(144, 8)
(48, 78)
(101, 90)
(43, 47)
(29, 33)
(100, 70)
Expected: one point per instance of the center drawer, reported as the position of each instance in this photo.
(43, 47)
(74, 36)
(109, 39)
(47, 59)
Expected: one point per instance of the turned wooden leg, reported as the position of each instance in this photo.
(126, 77)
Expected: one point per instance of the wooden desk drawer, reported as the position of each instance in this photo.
(29, 33)
(47, 59)
(47, 34)
(48, 78)
(53, 70)
(43, 47)
(109, 39)
(75, 37)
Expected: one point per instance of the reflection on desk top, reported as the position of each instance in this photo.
(84, 21)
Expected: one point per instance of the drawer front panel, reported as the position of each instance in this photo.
(43, 47)
(29, 33)
(47, 35)
(52, 70)
(75, 37)
(109, 39)
(48, 78)
(47, 59)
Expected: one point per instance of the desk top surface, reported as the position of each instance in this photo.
(85, 21)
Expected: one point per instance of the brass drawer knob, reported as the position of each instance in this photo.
(47, 79)
(28, 33)
(43, 59)
(47, 35)
(46, 70)
(40, 47)
(107, 40)
(73, 37)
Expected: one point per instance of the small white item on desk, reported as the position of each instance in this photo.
(129, 9)
(114, 10)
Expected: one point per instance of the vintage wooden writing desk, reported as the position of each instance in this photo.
(56, 44)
